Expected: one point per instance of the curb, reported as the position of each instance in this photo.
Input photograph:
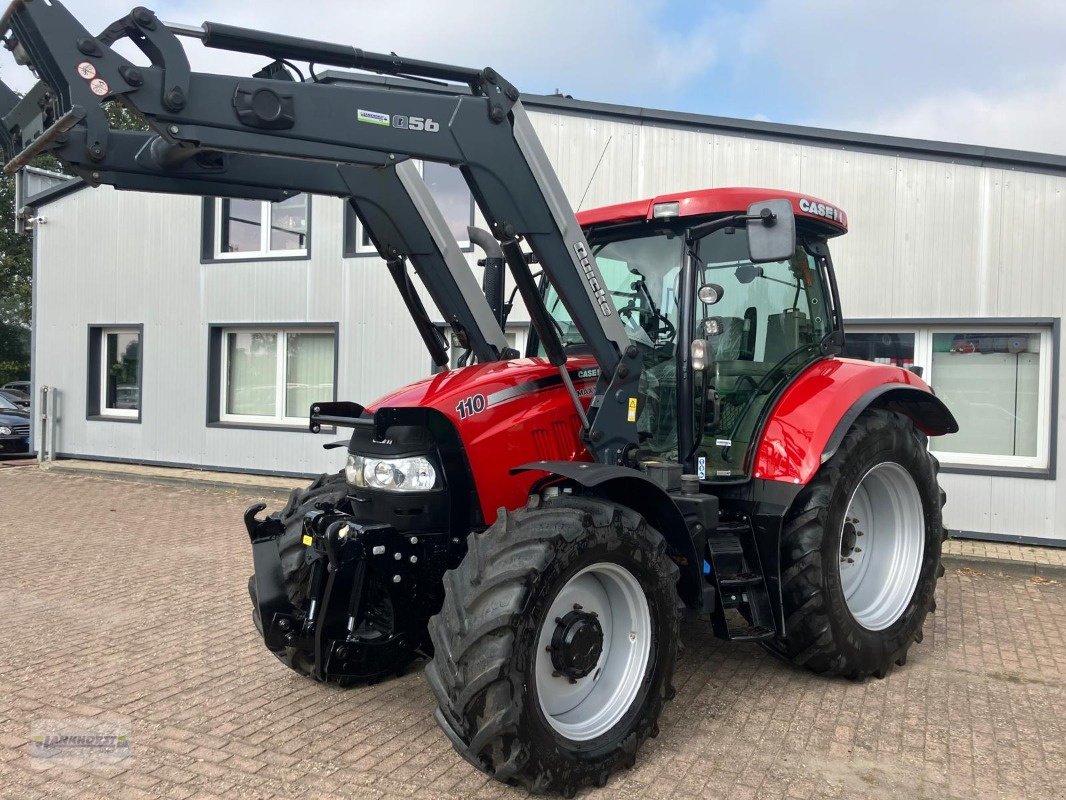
(1002, 566)
(265, 490)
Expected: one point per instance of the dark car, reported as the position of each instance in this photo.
(21, 399)
(14, 428)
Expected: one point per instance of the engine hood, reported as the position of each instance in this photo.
(498, 383)
(506, 414)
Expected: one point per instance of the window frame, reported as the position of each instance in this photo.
(1043, 464)
(521, 331)
(96, 374)
(211, 235)
(218, 369)
(362, 250)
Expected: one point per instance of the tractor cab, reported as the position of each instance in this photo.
(721, 322)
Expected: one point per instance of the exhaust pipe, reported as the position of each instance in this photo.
(493, 262)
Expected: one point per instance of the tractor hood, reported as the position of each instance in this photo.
(497, 383)
(506, 413)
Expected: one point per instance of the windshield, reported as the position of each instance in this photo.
(772, 318)
(7, 405)
(642, 275)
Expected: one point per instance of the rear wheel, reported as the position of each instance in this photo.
(379, 619)
(555, 648)
(861, 552)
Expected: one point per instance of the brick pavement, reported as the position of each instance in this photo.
(1001, 551)
(126, 601)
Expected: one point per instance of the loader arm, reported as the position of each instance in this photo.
(390, 201)
(481, 128)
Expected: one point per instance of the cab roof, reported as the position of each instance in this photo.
(832, 220)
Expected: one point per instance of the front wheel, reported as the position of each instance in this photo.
(555, 648)
(860, 552)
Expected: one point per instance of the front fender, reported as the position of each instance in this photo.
(814, 413)
(633, 489)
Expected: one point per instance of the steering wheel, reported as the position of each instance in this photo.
(665, 329)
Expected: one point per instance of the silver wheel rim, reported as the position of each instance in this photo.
(882, 541)
(587, 707)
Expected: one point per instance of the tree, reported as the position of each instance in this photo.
(15, 264)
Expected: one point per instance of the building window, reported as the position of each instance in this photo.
(272, 376)
(516, 339)
(453, 198)
(996, 379)
(992, 383)
(114, 374)
(887, 347)
(245, 229)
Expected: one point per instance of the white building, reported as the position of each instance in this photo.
(953, 263)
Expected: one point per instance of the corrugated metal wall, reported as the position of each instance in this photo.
(929, 239)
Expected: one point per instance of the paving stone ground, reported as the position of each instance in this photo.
(126, 602)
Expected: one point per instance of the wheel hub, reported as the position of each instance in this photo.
(599, 627)
(577, 643)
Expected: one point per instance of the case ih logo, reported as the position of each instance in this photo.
(822, 210)
(590, 276)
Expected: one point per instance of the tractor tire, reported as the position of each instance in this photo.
(329, 488)
(860, 552)
(535, 688)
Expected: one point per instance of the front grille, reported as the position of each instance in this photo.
(21, 430)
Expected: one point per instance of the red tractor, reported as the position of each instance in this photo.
(680, 438)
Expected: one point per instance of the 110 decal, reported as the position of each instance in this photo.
(470, 406)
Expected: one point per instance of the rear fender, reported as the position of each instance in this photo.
(814, 413)
(632, 489)
(925, 409)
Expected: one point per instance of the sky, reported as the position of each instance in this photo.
(979, 72)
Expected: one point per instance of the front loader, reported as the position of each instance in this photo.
(681, 436)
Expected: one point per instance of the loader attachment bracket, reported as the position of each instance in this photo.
(343, 414)
(345, 556)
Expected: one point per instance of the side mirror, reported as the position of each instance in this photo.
(746, 273)
(772, 232)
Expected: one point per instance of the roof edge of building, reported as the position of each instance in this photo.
(826, 137)
(54, 193)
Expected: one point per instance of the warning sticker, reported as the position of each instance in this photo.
(99, 87)
(87, 70)
(307, 540)
(632, 415)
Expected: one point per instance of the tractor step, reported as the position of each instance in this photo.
(737, 578)
(752, 633)
(740, 581)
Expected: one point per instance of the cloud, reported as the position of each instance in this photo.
(1029, 118)
(976, 71)
(979, 71)
(595, 49)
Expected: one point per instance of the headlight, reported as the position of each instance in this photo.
(415, 474)
(5, 431)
